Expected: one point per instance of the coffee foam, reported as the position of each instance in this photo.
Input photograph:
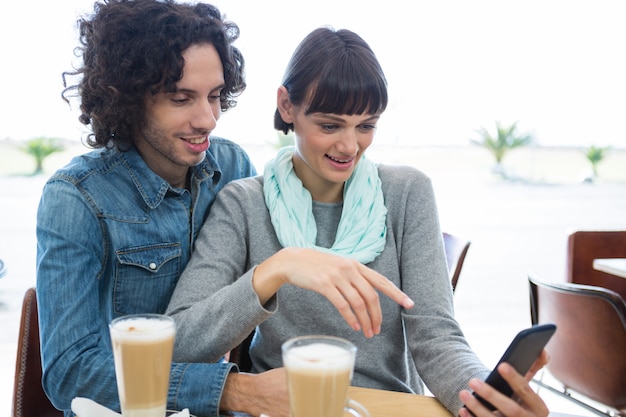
(143, 329)
(318, 356)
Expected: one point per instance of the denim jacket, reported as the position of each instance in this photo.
(113, 239)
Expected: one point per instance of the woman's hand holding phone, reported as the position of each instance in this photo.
(524, 402)
(507, 388)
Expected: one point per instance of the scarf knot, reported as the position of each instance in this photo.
(361, 233)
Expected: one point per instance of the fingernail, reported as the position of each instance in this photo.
(475, 383)
(505, 368)
(465, 395)
(408, 303)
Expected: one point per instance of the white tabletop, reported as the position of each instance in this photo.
(613, 266)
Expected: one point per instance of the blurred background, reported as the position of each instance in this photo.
(514, 108)
(453, 66)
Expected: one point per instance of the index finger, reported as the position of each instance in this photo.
(387, 287)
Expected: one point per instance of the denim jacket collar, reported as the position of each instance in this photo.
(153, 188)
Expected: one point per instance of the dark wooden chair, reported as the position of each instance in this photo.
(585, 246)
(456, 249)
(588, 350)
(29, 398)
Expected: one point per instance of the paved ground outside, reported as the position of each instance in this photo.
(516, 227)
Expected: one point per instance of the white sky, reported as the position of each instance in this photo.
(556, 66)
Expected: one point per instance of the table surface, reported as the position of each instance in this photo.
(614, 266)
(381, 403)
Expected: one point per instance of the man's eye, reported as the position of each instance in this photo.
(214, 97)
(180, 100)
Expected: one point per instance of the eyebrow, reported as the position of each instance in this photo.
(192, 91)
(340, 119)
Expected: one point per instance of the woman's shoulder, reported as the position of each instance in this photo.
(252, 184)
(391, 175)
(244, 188)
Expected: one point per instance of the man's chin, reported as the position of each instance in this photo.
(201, 157)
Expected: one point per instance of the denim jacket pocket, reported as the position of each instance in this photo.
(145, 278)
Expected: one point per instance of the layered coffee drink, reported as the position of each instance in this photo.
(142, 349)
(319, 370)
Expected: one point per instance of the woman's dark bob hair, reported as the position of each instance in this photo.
(334, 71)
(132, 49)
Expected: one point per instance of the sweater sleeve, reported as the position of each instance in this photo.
(214, 304)
(443, 358)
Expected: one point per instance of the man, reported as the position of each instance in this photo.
(116, 226)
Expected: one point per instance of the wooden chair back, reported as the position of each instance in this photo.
(585, 246)
(29, 398)
(588, 350)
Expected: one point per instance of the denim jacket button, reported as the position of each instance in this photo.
(152, 266)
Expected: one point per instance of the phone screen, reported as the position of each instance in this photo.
(521, 354)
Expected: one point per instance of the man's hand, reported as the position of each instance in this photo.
(257, 394)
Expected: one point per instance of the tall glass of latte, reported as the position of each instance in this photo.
(142, 349)
(319, 370)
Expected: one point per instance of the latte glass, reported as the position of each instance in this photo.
(319, 371)
(142, 349)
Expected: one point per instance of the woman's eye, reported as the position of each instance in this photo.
(329, 127)
(368, 127)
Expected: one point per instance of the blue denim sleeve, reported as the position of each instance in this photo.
(76, 354)
(74, 292)
(199, 387)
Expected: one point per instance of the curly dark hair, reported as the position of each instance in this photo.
(131, 48)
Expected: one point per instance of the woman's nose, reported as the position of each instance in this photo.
(349, 143)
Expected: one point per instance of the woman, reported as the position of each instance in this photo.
(335, 227)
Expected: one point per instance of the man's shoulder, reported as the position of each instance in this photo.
(223, 147)
(229, 158)
(86, 164)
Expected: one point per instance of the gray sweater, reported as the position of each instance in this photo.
(215, 307)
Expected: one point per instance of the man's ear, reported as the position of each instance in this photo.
(283, 104)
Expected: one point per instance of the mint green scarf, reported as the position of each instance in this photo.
(361, 231)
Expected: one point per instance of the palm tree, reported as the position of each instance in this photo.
(506, 138)
(40, 148)
(595, 154)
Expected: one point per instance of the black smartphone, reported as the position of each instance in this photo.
(521, 354)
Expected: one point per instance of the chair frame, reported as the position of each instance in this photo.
(456, 249)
